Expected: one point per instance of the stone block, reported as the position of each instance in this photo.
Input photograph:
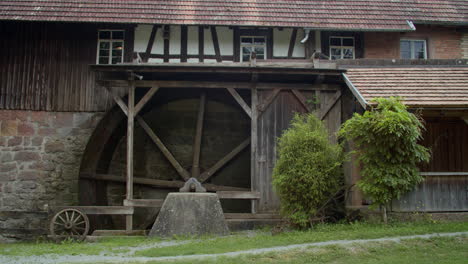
(37, 141)
(27, 156)
(9, 128)
(190, 214)
(40, 118)
(47, 132)
(7, 166)
(6, 157)
(54, 147)
(25, 129)
(15, 141)
(62, 120)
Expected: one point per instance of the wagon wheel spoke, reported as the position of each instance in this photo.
(69, 223)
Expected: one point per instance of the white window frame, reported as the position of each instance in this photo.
(110, 41)
(252, 46)
(412, 54)
(341, 47)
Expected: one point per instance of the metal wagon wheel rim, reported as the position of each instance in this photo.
(69, 223)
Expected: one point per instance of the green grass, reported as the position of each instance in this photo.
(236, 242)
(319, 233)
(416, 251)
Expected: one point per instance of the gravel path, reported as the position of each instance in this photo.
(126, 257)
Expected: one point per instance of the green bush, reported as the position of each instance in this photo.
(308, 170)
(387, 138)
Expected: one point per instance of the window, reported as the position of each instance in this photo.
(251, 44)
(110, 46)
(413, 49)
(341, 48)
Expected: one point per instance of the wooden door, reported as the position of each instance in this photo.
(276, 109)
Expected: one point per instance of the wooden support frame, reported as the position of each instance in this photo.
(145, 99)
(302, 99)
(330, 104)
(182, 172)
(99, 210)
(183, 43)
(254, 134)
(218, 165)
(201, 43)
(158, 183)
(214, 36)
(130, 130)
(292, 43)
(238, 195)
(118, 100)
(198, 137)
(156, 203)
(149, 47)
(241, 101)
(271, 97)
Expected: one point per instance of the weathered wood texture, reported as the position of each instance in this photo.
(447, 190)
(271, 124)
(45, 66)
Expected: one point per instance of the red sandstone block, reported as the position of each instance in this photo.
(28, 175)
(37, 141)
(54, 146)
(62, 120)
(5, 115)
(15, 141)
(27, 156)
(41, 118)
(7, 167)
(21, 115)
(9, 128)
(47, 131)
(25, 129)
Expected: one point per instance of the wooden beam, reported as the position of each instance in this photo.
(238, 195)
(251, 216)
(130, 130)
(214, 36)
(114, 233)
(201, 43)
(157, 183)
(302, 100)
(271, 97)
(98, 210)
(157, 203)
(219, 85)
(254, 138)
(118, 100)
(182, 172)
(166, 42)
(149, 47)
(330, 104)
(145, 99)
(241, 101)
(183, 43)
(198, 137)
(292, 43)
(211, 171)
(437, 174)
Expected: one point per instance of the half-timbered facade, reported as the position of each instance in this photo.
(113, 105)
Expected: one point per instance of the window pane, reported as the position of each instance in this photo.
(104, 53)
(117, 45)
(104, 45)
(349, 42)
(246, 50)
(246, 57)
(259, 50)
(335, 54)
(104, 34)
(335, 41)
(419, 49)
(116, 60)
(348, 54)
(117, 53)
(259, 40)
(103, 60)
(405, 49)
(246, 40)
(117, 35)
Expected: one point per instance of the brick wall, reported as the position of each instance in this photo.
(442, 43)
(40, 155)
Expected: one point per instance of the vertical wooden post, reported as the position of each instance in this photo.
(254, 138)
(130, 128)
(198, 136)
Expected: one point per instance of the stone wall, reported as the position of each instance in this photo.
(40, 156)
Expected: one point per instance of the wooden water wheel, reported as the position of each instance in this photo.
(201, 135)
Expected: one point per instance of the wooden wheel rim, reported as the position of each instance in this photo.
(69, 223)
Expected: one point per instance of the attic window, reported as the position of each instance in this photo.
(110, 46)
(341, 48)
(251, 44)
(413, 49)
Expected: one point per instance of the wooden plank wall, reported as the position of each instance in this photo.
(44, 66)
(448, 141)
(271, 124)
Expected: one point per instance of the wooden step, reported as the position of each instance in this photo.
(238, 195)
(251, 216)
(119, 233)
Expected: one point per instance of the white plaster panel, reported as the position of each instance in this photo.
(192, 41)
(226, 40)
(193, 60)
(158, 45)
(155, 60)
(142, 34)
(281, 42)
(174, 60)
(209, 48)
(174, 40)
(299, 48)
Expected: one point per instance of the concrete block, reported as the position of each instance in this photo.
(190, 214)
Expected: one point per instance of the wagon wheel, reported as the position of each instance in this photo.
(69, 223)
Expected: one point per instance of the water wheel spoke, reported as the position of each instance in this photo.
(76, 219)
(63, 220)
(60, 224)
(80, 223)
(72, 216)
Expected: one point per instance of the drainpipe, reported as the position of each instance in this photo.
(306, 37)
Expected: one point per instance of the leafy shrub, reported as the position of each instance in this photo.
(308, 170)
(387, 138)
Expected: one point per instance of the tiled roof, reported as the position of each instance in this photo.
(318, 14)
(419, 87)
